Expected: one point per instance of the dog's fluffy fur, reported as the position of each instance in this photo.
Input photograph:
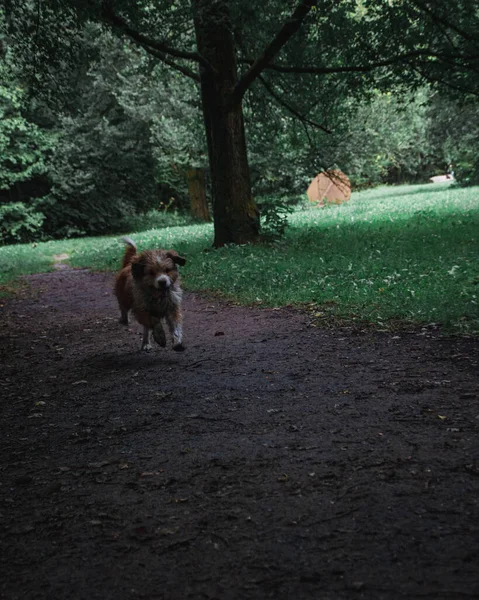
(149, 285)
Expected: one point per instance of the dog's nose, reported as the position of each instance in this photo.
(163, 281)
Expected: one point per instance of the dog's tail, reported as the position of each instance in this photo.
(130, 251)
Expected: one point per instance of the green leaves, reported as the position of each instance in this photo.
(24, 147)
(19, 223)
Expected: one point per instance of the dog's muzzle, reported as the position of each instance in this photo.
(163, 282)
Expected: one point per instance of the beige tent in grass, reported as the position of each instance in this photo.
(329, 187)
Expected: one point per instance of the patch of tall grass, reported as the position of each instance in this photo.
(391, 255)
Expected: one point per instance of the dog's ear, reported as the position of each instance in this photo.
(176, 258)
(137, 268)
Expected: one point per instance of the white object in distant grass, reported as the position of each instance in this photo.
(442, 178)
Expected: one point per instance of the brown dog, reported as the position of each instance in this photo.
(148, 284)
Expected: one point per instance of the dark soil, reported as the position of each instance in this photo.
(271, 460)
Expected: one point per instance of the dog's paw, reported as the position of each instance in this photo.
(124, 321)
(146, 348)
(179, 347)
(159, 335)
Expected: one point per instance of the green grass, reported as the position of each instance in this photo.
(390, 256)
(23, 259)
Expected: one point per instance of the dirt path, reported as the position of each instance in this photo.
(271, 460)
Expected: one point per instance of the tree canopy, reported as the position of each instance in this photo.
(306, 62)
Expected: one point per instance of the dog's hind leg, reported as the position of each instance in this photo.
(176, 331)
(145, 344)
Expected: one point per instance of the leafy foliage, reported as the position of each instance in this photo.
(386, 140)
(19, 223)
(24, 147)
(125, 125)
(454, 130)
(274, 215)
(24, 151)
(102, 171)
(119, 141)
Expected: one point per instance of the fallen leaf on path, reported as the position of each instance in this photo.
(168, 531)
(357, 585)
(98, 465)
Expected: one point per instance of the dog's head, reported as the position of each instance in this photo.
(156, 269)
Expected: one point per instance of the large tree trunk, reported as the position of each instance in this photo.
(197, 194)
(236, 217)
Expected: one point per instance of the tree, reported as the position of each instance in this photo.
(454, 130)
(385, 140)
(24, 151)
(177, 134)
(354, 44)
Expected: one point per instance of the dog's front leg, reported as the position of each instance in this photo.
(145, 344)
(176, 330)
(159, 334)
(124, 316)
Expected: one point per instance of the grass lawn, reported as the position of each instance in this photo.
(390, 256)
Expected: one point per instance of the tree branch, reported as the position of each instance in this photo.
(289, 28)
(363, 68)
(109, 16)
(456, 88)
(167, 61)
(289, 108)
(436, 18)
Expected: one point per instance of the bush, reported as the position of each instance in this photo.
(24, 148)
(19, 223)
(102, 172)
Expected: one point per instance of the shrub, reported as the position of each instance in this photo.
(274, 214)
(19, 223)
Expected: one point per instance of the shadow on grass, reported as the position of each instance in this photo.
(415, 232)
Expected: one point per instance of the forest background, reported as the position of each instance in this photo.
(95, 131)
